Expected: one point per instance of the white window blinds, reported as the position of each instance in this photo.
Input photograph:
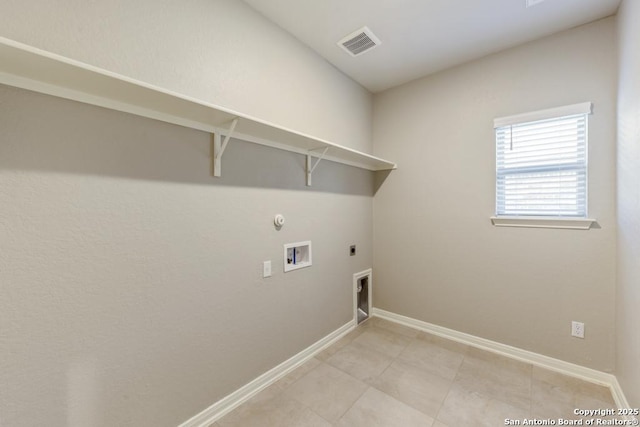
(541, 163)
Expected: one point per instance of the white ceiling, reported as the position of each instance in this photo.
(420, 37)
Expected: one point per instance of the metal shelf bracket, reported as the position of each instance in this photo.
(310, 168)
(218, 146)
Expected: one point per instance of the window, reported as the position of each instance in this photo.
(541, 164)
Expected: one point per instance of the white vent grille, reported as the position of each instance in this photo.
(359, 42)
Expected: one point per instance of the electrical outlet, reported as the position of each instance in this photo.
(577, 329)
(531, 3)
(266, 269)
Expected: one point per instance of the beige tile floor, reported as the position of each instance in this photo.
(385, 374)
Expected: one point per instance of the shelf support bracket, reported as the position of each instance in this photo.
(218, 147)
(310, 168)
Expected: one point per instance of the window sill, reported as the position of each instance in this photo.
(543, 222)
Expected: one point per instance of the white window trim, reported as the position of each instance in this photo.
(550, 113)
(544, 222)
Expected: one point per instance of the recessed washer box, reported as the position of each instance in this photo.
(297, 255)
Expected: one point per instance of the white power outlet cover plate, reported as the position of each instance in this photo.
(531, 3)
(266, 269)
(577, 329)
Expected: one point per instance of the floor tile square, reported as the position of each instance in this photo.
(342, 342)
(328, 391)
(377, 409)
(432, 358)
(496, 376)
(444, 343)
(273, 411)
(384, 341)
(298, 373)
(557, 395)
(360, 361)
(417, 388)
(572, 385)
(468, 408)
(394, 327)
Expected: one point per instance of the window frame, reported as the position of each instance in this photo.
(531, 221)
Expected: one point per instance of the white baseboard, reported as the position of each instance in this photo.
(246, 392)
(619, 397)
(566, 368)
(238, 397)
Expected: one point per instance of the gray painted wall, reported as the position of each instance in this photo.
(437, 256)
(219, 51)
(628, 290)
(132, 280)
(130, 297)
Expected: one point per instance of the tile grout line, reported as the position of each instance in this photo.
(352, 405)
(396, 359)
(393, 359)
(436, 419)
(466, 354)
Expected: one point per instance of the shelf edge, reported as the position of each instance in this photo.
(368, 161)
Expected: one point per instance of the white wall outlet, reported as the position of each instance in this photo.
(577, 329)
(531, 3)
(266, 269)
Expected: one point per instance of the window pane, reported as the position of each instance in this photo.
(541, 168)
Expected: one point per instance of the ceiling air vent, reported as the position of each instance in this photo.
(359, 42)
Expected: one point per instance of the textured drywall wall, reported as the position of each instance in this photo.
(131, 280)
(220, 51)
(132, 289)
(628, 277)
(436, 254)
